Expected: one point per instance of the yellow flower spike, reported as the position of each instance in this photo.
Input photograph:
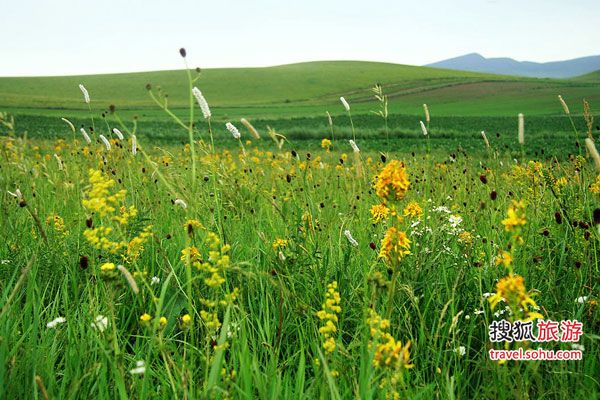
(392, 181)
(379, 212)
(394, 246)
(107, 267)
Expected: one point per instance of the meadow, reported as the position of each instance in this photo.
(182, 258)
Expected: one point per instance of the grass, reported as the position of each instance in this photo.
(227, 290)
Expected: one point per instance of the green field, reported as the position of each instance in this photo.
(190, 261)
(295, 97)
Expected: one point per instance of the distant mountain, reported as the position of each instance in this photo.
(507, 66)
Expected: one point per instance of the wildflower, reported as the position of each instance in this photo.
(118, 133)
(564, 105)
(69, 123)
(466, 238)
(423, 128)
(511, 290)
(180, 203)
(162, 322)
(133, 145)
(58, 162)
(391, 353)
(107, 267)
(426, 110)
(186, 319)
(521, 129)
(250, 128)
(394, 246)
(100, 323)
(56, 321)
(392, 181)
(202, 102)
(155, 280)
(379, 212)
(485, 139)
(354, 146)
(329, 316)
(132, 283)
(413, 209)
(581, 299)
(591, 147)
(348, 235)
(140, 368)
(461, 350)
(455, 220)
(345, 104)
(192, 224)
(326, 144)
(145, 317)
(211, 319)
(516, 216)
(105, 141)
(505, 258)
(85, 136)
(233, 130)
(279, 244)
(86, 95)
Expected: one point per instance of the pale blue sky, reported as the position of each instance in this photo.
(65, 37)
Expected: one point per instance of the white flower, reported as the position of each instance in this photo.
(55, 322)
(133, 145)
(234, 131)
(86, 95)
(105, 141)
(155, 280)
(16, 194)
(479, 312)
(4, 262)
(140, 368)
(581, 299)
(521, 129)
(118, 133)
(181, 203)
(354, 146)
(345, 103)
(201, 102)
(577, 346)
(423, 128)
(485, 139)
(442, 209)
(486, 295)
(461, 350)
(348, 235)
(100, 323)
(85, 136)
(58, 161)
(69, 123)
(455, 220)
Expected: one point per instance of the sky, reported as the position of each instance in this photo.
(68, 37)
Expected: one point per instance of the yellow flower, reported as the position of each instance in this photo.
(192, 224)
(595, 187)
(394, 246)
(516, 216)
(145, 317)
(279, 244)
(326, 144)
(379, 212)
(504, 258)
(392, 181)
(186, 319)
(413, 209)
(107, 267)
(162, 321)
(329, 314)
(391, 353)
(511, 289)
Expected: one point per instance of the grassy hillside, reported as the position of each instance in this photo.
(300, 90)
(592, 76)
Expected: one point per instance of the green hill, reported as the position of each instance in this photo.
(300, 89)
(592, 76)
